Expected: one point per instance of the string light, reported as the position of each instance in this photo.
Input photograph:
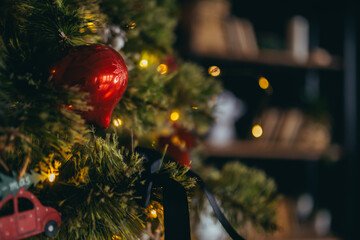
(178, 142)
(144, 63)
(263, 83)
(117, 122)
(162, 68)
(174, 116)
(214, 71)
(175, 140)
(131, 25)
(52, 177)
(257, 131)
(153, 213)
(91, 26)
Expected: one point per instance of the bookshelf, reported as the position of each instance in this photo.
(256, 38)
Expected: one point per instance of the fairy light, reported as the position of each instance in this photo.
(174, 116)
(144, 63)
(91, 26)
(257, 131)
(162, 68)
(214, 71)
(176, 140)
(153, 213)
(117, 122)
(263, 83)
(131, 25)
(51, 177)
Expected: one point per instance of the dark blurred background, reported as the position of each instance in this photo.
(307, 53)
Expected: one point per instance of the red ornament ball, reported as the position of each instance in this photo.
(98, 70)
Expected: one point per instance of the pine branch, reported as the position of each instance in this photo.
(5, 167)
(25, 165)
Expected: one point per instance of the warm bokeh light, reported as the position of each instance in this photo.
(174, 116)
(214, 71)
(117, 122)
(52, 177)
(153, 213)
(263, 83)
(144, 63)
(162, 68)
(114, 237)
(195, 108)
(91, 26)
(257, 131)
(175, 140)
(53, 71)
(131, 25)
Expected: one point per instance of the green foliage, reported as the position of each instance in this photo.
(151, 97)
(192, 93)
(155, 21)
(32, 29)
(248, 190)
(96, 189)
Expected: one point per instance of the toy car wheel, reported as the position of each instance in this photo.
(51, 228)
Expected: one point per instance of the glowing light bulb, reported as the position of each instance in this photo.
(257, 131)
(263, 83)
(117, 122)
(214, 71)
(144, 63)
(153, 213)
(174, 116)
(52, 177)
(131, 25)
(53, 71)
(162, 68)
(175, 140)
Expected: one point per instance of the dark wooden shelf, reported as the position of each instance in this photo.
(275, 58)
(257, 149)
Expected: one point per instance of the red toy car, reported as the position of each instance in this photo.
(23, 215)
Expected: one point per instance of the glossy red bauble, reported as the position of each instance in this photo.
(98, 70)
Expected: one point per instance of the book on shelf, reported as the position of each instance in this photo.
(292, 128)
(269, 122)
(246, 39)
(207, 27)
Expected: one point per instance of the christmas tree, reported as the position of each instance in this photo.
(83, 85)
